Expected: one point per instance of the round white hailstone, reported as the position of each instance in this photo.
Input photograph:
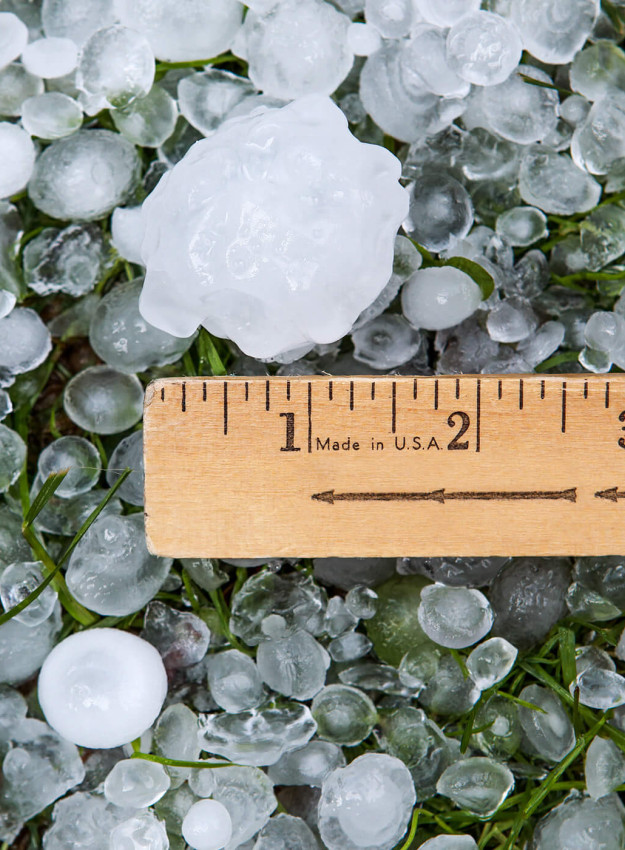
(299, 48)
(116, 67)
(102, 688)
(17, 155)
(554, 30)
(439, 298)
(13, 37)
(207, 825)
(231, 230)
(51, 115)
(180, 32)
(363, 39)
(484, 48)
(50, 57)
(127, 233)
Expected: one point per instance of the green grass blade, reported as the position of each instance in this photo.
(566, 640)
(49, 488)
(178, 763)
(413, 831)
(210, 363)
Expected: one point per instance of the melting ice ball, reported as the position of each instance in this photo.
(102, 688)
(276, 231)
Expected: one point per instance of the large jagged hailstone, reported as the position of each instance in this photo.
(277, 231)
(102, 688)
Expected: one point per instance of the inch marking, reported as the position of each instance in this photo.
(441, 496)
(225, 407)
(478, 392)
(372, 390)
(414, 389)
(394, 408)
(204, 391)
(266, 395)
(183, 402)
(435, 394)
(288, 391)
(563, 407)
(607, 394)
(499, 389)
(457, 388)
(351, 395)
(585, 389)
(330, 390)
(162, 393)
(520, 393)
(247, 391)
(542, 389)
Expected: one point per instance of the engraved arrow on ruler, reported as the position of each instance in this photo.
(442, 496)
(612, 493)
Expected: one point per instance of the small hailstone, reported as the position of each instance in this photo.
(308, 766)
(141, 830)
(440, 212)
(491, 661)
(522, 226)
(286, 832)
(344, 715)
(553, 31)
(17, 154)
(13, 37)
(181, 637)
(424, 56)
(548, 733)
(16, 582)
(598, 688)
(71, 260)
(75, 454)
(478, 784)
(234, 681)
(206, 98)
(387, 341)
(449, 842)
(519, 110)
(554, 184)
(128, 453)
(7, 302)
(76, 19)
(51, 115)
(605, 331)
(597, 142)
(12, 457)
(294, 665)
(16, 84)
(103, 400)
(148, 121)
(311, 149)
(604, 768)
(362, 601)
(540, 345)
(391, 18)
(136, 784)
(127, 233)
(116, 66)
(454, 616)
(349, 647)
(363, 39)
(207, 825)
(437, 298)
(102, 688)
(50, 58)
(484, 48)
(597, 70)
(366, 804)
(511, 320)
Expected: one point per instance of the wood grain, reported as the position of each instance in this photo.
(385, 466)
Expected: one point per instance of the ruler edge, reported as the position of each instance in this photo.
(159, 383)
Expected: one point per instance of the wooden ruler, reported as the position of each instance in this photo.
(385, 466)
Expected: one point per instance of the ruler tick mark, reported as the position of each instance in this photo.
(225, 407)
(266, 395)
(457, 388)
(499, 389)
(607, 394)
(288, 391)
(247, 391)
(585, 389)
(414, 389)
(203, 390)
(542, 389)
(184, 397)
(521, 394)
(435, 394)
(330, 390)
(309, 417)
(372, 390)
(478, 392)
(563, 407)
(394, 407)
(351, 395)
(162, 393)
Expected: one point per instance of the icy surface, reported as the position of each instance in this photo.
(18, 155)
(104, 400)
(17, 581)
(235, 267)
(79, 457)
(344, 715)
(50, 57)
(128, 453)
(135, 784)
(51, 115)
(207, 825)
(234, 681)
(454, 617)
(90, 675)
(477, 784)
(548, 733)
(483, 48)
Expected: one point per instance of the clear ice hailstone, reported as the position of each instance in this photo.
(491, 661)
(522, 226)
(511, 320)
(258, 736)
(16, 84)
(6, 405)
(180, 33)
(362, 601)
(7, 302)
(424, 57)
(38, 768)
(580, 823)
(285, 832)
(85, 175)
(597, 142)
(116, 66)
(605, 767)
(175, 737)
(102, 688)
(307, 766)
(344, 715)
(12, 457)
(103, 400)
(148, 121)
(294, 665)
(234, 681)
(75, 454)
(363, 39)
(454, 617)
(23, 649)
(76, 19)
(207, 825)
(298, 48)
(13, 37)
(549, 733)
(437, 298)
(484, 48)
(598, 688)
(554, 30)
(297, 178)
(121, 337)
(127, 233)
(69, 260)
(181, 637)
(554, 184)
(385, 342)
(17, 153)
(136, 784)
(446, 14)
(478, 784)
(128, 454)
(440, 212)
(16, 582)
(391, 18)
(349, 646)
(597, 70)
(602, 236)
(84, 820)
(111, 571)
(247, 794)
(449, 842)
(51, 115)
(206, 98)
(13, 547)
(142, 830)
(366, 804)
(605, 331)
(50, 58)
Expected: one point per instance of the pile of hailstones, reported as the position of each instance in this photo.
(325, 700)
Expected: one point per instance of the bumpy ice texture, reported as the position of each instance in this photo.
(276, 232)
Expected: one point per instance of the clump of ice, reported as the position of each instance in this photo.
(17, 153)
(270, 192)
(102, 688)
